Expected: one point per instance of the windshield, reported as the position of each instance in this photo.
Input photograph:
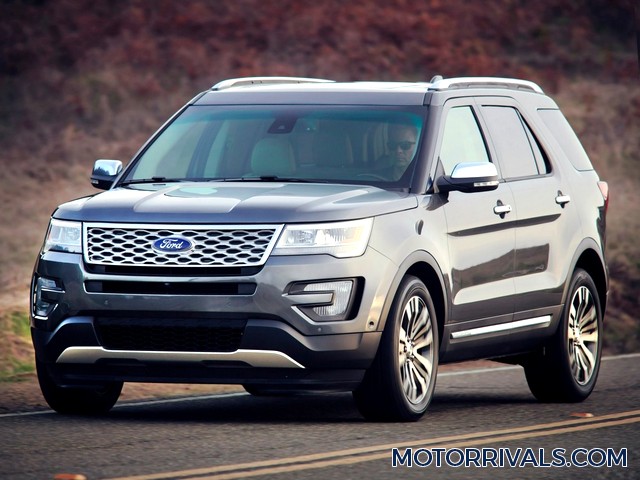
(355, 144)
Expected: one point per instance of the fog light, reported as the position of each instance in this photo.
(325, 301)
(341, 295)
(45, 296)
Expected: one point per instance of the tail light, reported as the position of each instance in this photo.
(604, 189)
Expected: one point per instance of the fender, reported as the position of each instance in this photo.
(589, 244)
(417, 257)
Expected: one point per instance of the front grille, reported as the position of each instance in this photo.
(170, 335)
(211, 246)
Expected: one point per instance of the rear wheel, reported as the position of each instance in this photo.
(400, 383)
(92, 400)
(567, 369)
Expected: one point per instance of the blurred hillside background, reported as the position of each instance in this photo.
(85, 79)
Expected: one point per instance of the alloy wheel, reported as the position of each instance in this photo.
(583, 335)
(416, 350)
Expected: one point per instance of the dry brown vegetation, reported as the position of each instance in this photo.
(81, 80)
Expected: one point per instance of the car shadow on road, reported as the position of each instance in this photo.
(308, 409)
(338, 408)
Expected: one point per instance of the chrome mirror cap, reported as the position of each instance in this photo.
(105, 173)
(470, 177)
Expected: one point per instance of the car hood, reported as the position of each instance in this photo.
(235, 202)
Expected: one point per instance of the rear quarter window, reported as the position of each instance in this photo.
(566, 137)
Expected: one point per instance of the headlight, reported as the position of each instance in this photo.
(63, 237)
(340, 239)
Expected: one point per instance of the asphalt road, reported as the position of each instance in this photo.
(482, 417)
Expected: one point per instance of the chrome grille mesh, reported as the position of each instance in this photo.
(132, 245)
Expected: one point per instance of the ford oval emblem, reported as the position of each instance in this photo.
(172, 245)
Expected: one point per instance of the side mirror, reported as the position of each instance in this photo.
(105, 173)
(470, 177)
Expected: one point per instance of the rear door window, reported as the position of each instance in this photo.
(518, 152)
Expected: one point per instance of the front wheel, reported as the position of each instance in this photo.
(567, 369)
(90, 400)
(400, 383)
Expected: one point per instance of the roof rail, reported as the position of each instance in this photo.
(248, 81)
(492, 82)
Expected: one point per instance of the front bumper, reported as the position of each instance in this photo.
(270, 353)
(279, 344)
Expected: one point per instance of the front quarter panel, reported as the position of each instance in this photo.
(410, 239)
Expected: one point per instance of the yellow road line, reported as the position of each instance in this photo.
(386, 455)
(366, 454)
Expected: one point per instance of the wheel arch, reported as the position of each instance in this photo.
(590, 260)
(423, 266)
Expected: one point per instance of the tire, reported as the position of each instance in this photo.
(400, 383)
(93, 400)
(567, 368)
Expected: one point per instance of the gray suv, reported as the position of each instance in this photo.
(294, 235)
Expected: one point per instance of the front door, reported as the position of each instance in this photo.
(480, 230)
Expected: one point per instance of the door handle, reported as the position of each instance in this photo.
(562, 200)
(501, 209)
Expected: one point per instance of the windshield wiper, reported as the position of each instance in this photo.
(263, 178)
(155, 180)
(267, 178)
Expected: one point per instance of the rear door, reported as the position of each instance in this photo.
(546, 216)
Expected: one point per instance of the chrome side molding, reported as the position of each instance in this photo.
(537, 322)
